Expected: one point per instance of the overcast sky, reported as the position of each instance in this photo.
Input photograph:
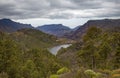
(68, 12)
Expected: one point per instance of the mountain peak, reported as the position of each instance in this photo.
(54, 29)
(6, 19)
(104, 24)
(7, 25)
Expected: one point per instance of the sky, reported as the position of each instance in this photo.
(67, 12)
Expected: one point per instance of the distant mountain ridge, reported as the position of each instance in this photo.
(7, 25)
(59, 30)
(103, 24)
(54, 29)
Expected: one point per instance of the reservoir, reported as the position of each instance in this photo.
(55, 49)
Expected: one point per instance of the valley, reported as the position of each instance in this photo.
(56, 51)
(59, 38)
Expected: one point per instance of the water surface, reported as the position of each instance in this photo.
(55, 49)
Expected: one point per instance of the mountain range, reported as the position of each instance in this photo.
(59, 30)
(55, 29)
(105, 24)
(9, 26)
(26, 49)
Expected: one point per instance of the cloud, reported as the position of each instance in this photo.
(59, 9)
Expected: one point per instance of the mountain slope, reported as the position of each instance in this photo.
(105, 24)
(33, 62)
(54, 29)
(98, 50)
(76, 28)
(7, 25)
(32, 38)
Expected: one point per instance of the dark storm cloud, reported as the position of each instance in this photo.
(58, 9)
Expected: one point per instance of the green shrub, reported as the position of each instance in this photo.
(54, 76)
(90, 73)
(80, 73)
(63, 70)
(99, 75)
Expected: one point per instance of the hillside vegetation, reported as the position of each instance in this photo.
(94, 54)
(97, 53)
(31, 38)
(24, 54)
(105, 24)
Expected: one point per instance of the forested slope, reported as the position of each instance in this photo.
(98, 52)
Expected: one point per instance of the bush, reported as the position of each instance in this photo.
(80, 73)
(63, 70)
(92, 74)
(99, 75)
(54, 76)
